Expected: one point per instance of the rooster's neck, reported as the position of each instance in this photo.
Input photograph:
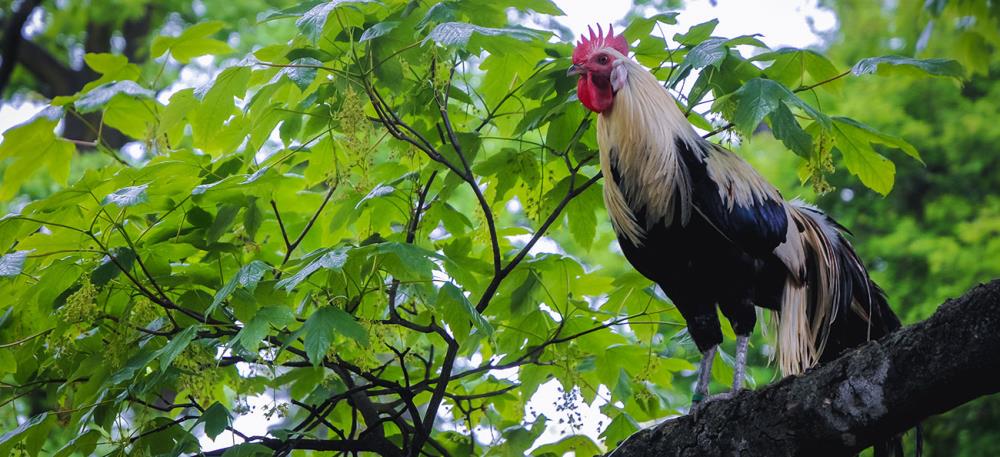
(642, 140)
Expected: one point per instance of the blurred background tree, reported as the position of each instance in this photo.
(938, 233)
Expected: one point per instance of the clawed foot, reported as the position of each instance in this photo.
(698, 404)
(701, 397)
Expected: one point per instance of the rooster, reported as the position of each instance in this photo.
(699, 221)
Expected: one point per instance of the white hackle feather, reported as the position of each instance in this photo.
(739, 183)
(638, 134)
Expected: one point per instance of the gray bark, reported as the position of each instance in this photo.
(866, 396)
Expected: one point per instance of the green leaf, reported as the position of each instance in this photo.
(224, 219)
(312, 22)
(331, 260)
(380, 190)
(378, 30)
(640, 27)
(12, 264)
(176, 345)
(191, 43)
(217, 103)
(621, 427)
(708, 52)
(105, 63)
(216, 418)
(82, 445)
(295, 11)
(137, 362)
(406, 261)
(581, 216)
(791, 65)
(301, 75)
(757, 99)
(899, 65)
(437, 13)
(120, 258)
(251, 335)
(247, 277)
(112, 67)
(866, 131)
(577, 444)
(470, 144)
(874, 170)
(760, 97)
(974, 51)
(8, 363)
(747, 40)
(538, 6)
(126, 196)
(34, 146)
(172, 117)
(457, 311)
(99, 96)
(786, 128)
(18, 434)
(252, 219)
(459, 33)
(520, 299)
(697, 33)
(623, 387)
(321, 326)
(248, 450)
(132, 116)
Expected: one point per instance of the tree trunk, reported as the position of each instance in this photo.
(866, 396)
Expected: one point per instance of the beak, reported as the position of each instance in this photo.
(575, 70)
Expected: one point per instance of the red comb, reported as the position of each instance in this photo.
(597, 41)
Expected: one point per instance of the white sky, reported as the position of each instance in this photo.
(781, 22)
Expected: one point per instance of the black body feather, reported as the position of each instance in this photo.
(724, 258)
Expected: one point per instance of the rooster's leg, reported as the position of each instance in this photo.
(704, 375)
(741, 361)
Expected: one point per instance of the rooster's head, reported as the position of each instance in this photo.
(599, 61)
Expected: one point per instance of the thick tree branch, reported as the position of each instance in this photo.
(868, 395)
(56, 78)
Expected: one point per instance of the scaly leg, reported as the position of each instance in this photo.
(704, 376)
(741, 362)
(701, 396)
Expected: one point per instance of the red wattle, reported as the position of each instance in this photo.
(595, 98)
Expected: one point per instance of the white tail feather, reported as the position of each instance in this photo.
(795, 353)
(803, 326)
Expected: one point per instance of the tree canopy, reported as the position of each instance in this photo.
(378, 224)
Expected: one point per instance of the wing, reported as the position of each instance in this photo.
(736, 199)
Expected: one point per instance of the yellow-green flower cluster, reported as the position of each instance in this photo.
(199, 372)
(821, 163)
(81, 306)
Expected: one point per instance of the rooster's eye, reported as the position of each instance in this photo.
(603, 60)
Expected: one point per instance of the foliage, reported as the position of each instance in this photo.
(346, 221)
(935, 236)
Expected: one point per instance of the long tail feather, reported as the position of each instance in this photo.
(836, 305)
